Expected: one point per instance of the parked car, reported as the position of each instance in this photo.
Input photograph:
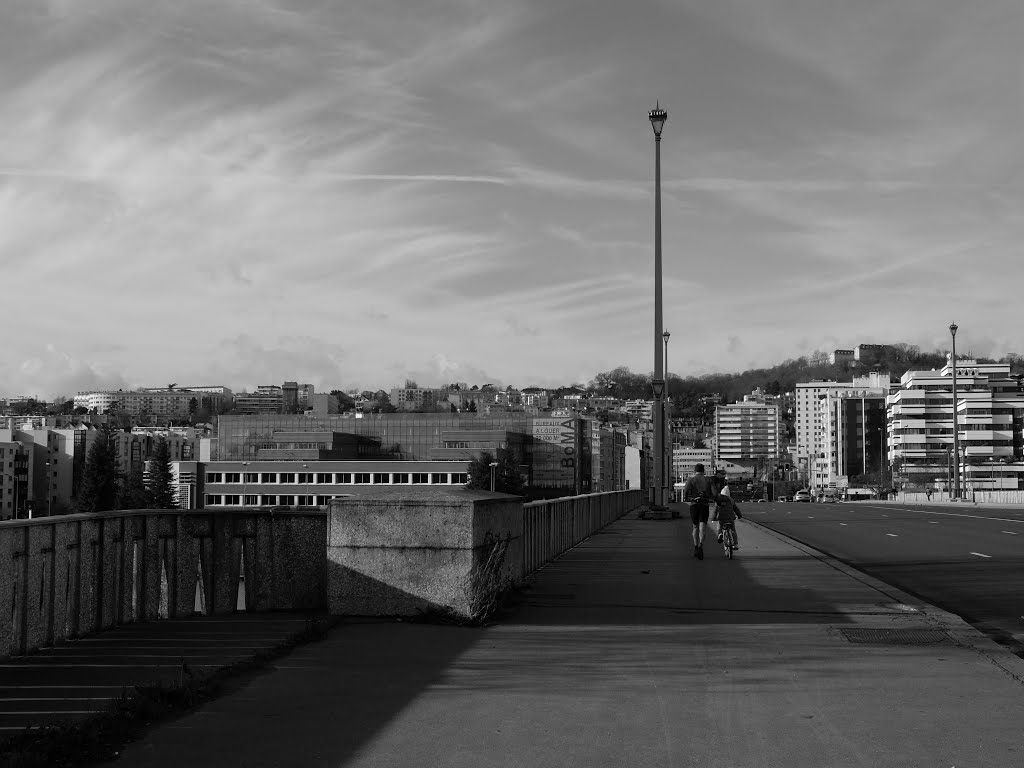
(802, 496)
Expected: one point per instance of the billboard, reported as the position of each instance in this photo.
(556, 453)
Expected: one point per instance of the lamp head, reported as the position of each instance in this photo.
(659, 387)
(952, 330)
(665, 335)
(657, 116)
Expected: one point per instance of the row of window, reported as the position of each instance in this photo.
(339, 478)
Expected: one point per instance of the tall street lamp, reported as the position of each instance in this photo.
(494, 467)
(658, 116)
(665, 422)
(956, 428)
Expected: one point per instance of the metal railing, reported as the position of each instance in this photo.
(551, 527)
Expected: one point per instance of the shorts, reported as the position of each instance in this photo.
(699, 513)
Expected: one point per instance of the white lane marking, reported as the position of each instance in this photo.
(980, 555)
(933, 522)
(842, 523)
(56, 698)
(894, 535)
(1012, 533)
(810, 517)
(956, 514)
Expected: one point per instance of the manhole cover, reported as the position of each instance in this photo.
(923, 636)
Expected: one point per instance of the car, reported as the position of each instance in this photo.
(802, 496)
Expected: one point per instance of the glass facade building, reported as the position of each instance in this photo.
(555, 451)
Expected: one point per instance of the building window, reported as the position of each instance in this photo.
(268, 477)
(270, 501)
(400, 477)
(361, 477)
(343, 478)
(420, 478)
(213, 500)
(439, 478)
(324, 477)
(286, 477)
(460, 478)
(381, 478)
(251, 477)
(305, 501)
(305, 477)
(232, 500)
(232, 477)
(286, 501)
(251, 501)
(214, 477)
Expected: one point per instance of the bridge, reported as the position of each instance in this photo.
(622, 649)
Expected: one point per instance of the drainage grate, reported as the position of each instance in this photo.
(921, 636)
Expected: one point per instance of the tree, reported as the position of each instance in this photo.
(98, 492)
(132, 493)
(345, 401)
(411, 384)
(193, 406)
(472, 406)
(507, 475)
(161, 478)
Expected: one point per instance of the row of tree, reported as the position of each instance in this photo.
(105, 487)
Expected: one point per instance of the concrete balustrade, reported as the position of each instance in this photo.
(399, 552)
(407, 551)
(66, 576)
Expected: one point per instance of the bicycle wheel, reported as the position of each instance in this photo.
(729, 540)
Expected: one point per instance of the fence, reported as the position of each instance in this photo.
(551, 527)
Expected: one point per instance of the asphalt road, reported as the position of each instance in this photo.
(966, 560)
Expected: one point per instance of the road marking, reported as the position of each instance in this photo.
(894, 535)
(980, 555)
(933, 522)
(1012, 533)
(842, 523)
(810, 517)
(956, 514)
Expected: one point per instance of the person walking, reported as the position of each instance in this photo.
(699, 492)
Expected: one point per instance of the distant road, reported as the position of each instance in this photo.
(966, 560)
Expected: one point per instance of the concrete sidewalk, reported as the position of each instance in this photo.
(629, 652)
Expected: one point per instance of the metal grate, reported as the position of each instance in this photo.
(918, 636)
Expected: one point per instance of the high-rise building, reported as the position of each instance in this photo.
(748, 434)
(990, 426)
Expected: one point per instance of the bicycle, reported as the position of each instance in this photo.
(728, 538)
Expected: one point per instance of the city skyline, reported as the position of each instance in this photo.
(351, 196)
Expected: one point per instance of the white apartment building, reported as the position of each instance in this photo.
(807, 419)
(748, 434)
(990, 427)
(164, 403)
(639, 409)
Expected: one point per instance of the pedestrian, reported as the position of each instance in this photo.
(699, 492)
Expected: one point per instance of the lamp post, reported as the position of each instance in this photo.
(881, 461)
(956, 428)
(494, 467)
(658, 116)
(665, 424)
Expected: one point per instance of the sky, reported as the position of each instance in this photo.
(353, 194)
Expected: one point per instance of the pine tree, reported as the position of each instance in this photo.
(133, 493)
(161, 479)
(99, 480)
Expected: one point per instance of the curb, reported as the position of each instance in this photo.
(962, 633)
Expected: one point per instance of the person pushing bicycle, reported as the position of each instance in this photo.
(727, 512)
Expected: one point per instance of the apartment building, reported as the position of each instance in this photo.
(748, 434)
(990, 426)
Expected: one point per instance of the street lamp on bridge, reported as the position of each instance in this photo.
(956, 428)
(658, 116)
